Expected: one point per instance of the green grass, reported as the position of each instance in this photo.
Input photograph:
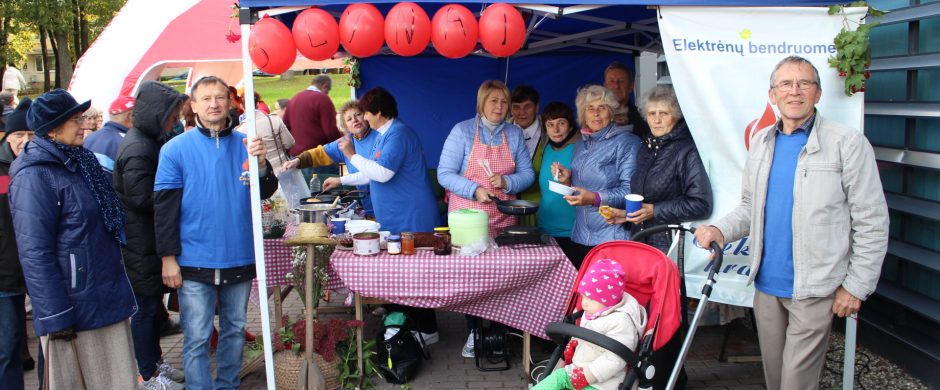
(273, 88)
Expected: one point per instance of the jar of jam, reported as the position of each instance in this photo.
(407, 243)
(442, 245)
(393, 244)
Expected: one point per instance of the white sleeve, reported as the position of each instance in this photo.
(354, 179)
(371, 169)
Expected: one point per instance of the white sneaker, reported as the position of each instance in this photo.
(159, 382)
(429, 338)
(468, 350)
(170, 372)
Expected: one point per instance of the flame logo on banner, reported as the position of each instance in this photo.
(768, 118)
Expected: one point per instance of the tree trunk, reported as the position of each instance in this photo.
(76, 28)
(63, 62)
(4, 41)
(57, 83)
(46, 84)
(83, 30)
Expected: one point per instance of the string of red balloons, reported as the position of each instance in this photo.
(406, 30)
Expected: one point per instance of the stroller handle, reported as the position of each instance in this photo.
(570, 330)
(716, 249)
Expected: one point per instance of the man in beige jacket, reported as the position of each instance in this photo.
(812, 203)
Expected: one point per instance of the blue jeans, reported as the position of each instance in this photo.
(145, 328)
(197, 308)
(12, 328)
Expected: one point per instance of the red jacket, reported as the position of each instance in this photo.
(311, 118)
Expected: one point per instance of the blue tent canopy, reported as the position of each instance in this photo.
(569, 46)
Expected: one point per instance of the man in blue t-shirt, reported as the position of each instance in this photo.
(202, 216)
(812, 202)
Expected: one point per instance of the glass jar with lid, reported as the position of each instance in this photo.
(394, 244)
(407, 243)
(442, 246)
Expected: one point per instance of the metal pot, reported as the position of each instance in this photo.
(313, 213)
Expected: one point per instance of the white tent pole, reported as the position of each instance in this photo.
(848, 365)
(256, 208)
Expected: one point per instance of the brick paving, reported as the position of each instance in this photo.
(448, 370)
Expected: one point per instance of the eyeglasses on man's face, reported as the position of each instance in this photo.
(802, 85)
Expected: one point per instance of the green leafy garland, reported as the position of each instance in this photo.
(352, 64)
(853, 54)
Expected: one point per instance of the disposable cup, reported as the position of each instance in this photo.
(634, 202)
(339, 225)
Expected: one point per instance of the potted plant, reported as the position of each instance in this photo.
(328, 335)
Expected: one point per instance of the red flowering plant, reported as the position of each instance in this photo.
(327, 334)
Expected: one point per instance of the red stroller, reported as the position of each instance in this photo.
(653, 279)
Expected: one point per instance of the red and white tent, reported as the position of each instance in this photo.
(148, 36)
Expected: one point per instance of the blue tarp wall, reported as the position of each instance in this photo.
(434, 93)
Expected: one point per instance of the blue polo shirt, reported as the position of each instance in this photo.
(215, 217)
(406, 202)
(363, 147)
(775, 276)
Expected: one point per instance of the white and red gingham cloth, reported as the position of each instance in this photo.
(278, 261)
(525, 288)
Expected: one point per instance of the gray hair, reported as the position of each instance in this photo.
(661, 94)
(322, 80)
(794, 60)
(590, 93)
(6, 98)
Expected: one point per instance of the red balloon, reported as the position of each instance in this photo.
(270, 46)
(407, 29)
(454, 31)
(316, 34)
(361, 29)
(502, 30)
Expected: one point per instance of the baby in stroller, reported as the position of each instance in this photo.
(610, 311)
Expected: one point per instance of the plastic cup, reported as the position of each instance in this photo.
(634, 202)
(339, 225)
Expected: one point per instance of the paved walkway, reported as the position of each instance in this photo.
(448, 370)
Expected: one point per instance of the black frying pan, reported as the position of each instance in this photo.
(515, 207)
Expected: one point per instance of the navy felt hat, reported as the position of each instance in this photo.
(16, 120)
(52, 109)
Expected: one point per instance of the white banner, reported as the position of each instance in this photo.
(720, 60)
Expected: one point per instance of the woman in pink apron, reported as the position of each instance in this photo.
(485, 158)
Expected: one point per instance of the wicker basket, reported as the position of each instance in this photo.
(287, 370)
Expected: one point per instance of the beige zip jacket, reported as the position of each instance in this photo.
(840, 218)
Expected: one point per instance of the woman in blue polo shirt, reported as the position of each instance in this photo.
(397, 174)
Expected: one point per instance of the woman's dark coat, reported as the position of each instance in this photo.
(670, 175)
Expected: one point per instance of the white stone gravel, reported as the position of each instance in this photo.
(871, 371)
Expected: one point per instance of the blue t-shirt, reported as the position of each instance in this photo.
(555, 215)
(363, 147)
(775, 276)
(215, 217)
(406, 202)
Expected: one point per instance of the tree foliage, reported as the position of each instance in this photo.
(70, 26)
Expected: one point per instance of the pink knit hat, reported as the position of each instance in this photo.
(603, 282)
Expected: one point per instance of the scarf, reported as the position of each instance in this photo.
(559, 145)
(111, 207)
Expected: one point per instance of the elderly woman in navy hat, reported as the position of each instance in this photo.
(69, 227)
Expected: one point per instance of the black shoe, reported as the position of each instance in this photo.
(170, 328)
(29, 364)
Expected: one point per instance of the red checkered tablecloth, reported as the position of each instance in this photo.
(278, 261)
(525, 288)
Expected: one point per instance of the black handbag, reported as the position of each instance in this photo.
(399, 358)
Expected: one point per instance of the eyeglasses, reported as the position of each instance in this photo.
(77, 119)
(802, 85)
